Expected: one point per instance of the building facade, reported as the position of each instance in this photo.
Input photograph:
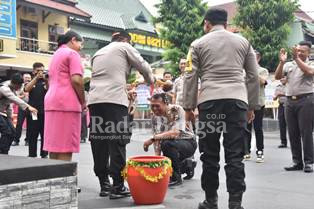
(29, 31)
(110, 16)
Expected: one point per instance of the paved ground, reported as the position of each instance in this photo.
(268, 185)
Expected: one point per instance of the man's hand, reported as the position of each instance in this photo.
(147, 143)
(295, 53)
(32, 109)
(283, 55)
(189, 116)
(250, 116)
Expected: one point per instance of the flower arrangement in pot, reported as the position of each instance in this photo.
(148, 178)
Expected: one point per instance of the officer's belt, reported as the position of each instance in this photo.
(299, 96)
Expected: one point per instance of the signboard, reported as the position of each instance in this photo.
(1, 45)
(8, 18)
(269, 94)
(143, 94)
(149, 40)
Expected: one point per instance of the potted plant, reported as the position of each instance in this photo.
(148, 178)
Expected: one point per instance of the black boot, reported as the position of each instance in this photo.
(105, 186)
(119, 191)
(235, 201)
(175, 180)
(191, 164)
(209, 203)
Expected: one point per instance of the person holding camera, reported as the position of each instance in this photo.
(259, 115)
(37, 89)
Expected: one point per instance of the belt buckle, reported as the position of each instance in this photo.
(294, 97)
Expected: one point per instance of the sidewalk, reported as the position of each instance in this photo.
(268, 185)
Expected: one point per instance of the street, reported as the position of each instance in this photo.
(268, 185)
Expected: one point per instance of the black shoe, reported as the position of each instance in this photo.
(190, 171)
(211, 203)
(79, 190)
(235, 201)
(294, 167)
(282, 146)
(308, 168)
(175, 180)
(44, 156)
(119, 192)
(105, 187)
(15, 144)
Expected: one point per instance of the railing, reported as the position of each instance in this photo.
(35, 45)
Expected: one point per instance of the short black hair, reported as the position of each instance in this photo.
(17, 78)
(65, 38)
(37, 65)
(216, 16)
(182, 58)
(258, 53)
(306, 43)
(167, 72)
(161, 96)
(119, 35)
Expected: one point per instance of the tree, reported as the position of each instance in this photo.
(266, 24)
(180, 24)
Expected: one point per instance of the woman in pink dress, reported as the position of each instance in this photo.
(65, 99)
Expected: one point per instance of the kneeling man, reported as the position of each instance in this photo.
(171, 136)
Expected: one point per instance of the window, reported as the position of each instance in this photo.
(29, 36)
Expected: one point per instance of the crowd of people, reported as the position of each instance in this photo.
(220, 82)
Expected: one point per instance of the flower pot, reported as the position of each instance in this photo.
(148, 178)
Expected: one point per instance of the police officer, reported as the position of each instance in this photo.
(21, 115)
(226, 102)
(37, 89)
(7, 96)
(280, 94)
(299, 107)
(108, 105)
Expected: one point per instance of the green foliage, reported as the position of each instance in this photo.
(266, 24)
(180, 20)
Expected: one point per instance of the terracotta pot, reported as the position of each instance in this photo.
(145, 190)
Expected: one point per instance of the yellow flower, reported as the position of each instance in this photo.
(139, 167)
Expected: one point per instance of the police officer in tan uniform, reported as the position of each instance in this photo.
(226, 102)
(108, 105)
(299, 107)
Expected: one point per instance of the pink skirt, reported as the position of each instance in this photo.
(62, 131)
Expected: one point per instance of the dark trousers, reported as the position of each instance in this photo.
(178, 150)
(33, 130)
(7, 132)
(227, 117)
(21, 116)
(109, 144)
(258, 129)
(299, 115)
(282, 124)
(83, 126)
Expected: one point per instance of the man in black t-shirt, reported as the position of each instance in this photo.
(37, 89)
